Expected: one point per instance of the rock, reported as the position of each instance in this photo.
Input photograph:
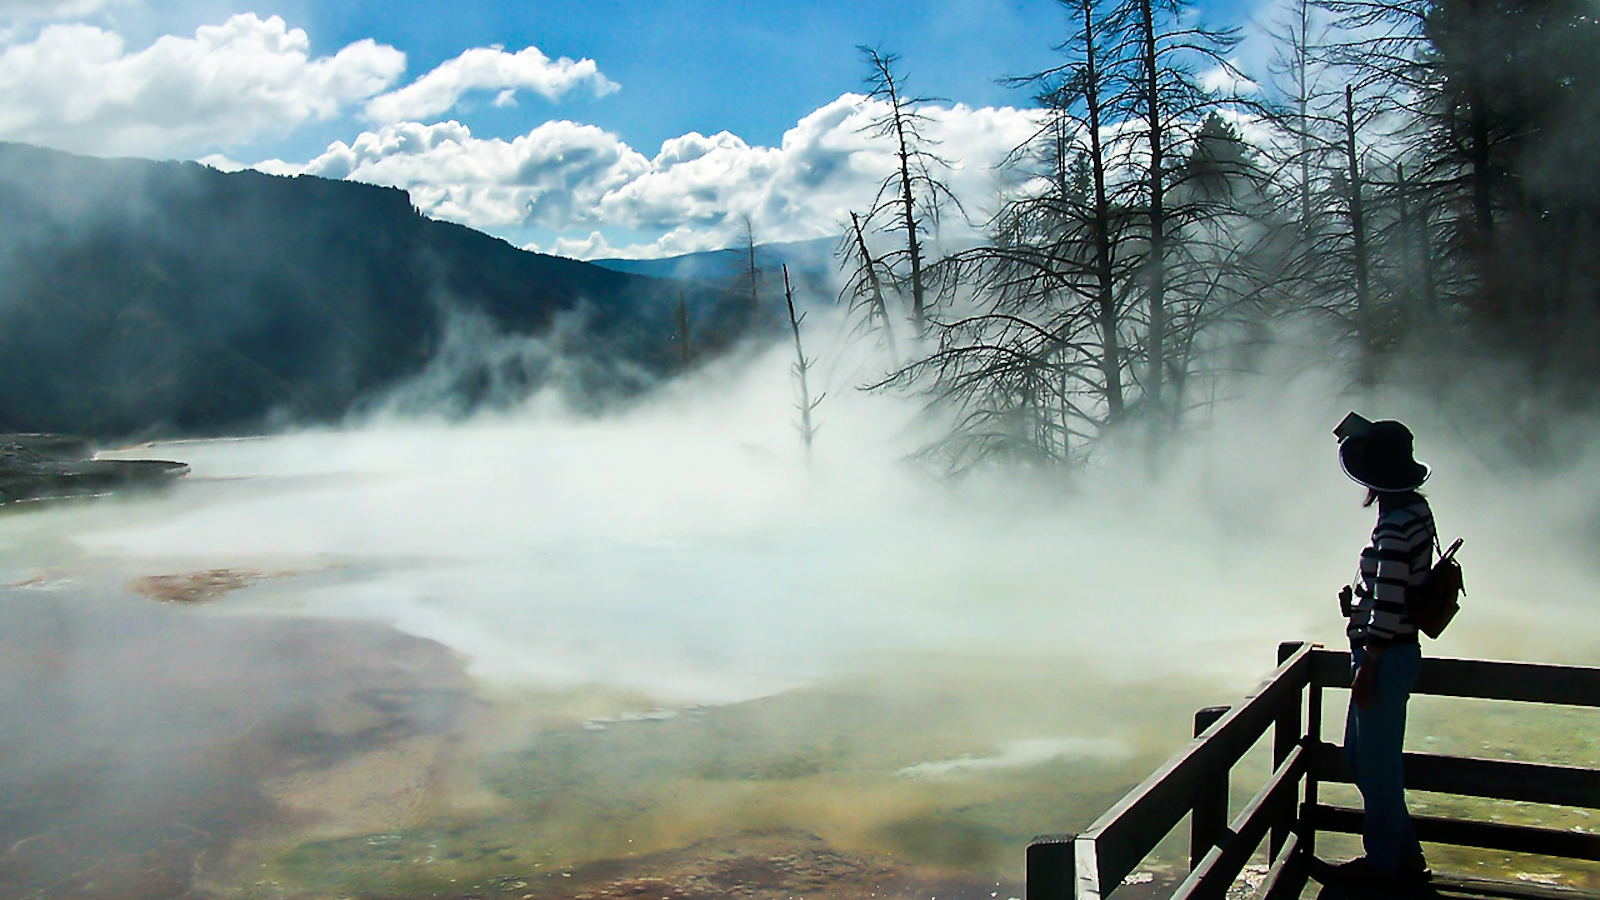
(37, 467)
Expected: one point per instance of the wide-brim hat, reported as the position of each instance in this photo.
(1381, 458)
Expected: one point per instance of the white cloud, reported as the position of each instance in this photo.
(677, 242)
(680, 240)
(488, 69)
(695, 191)
(826, 166)
(77, 87)
(224, 163)
(696, 180)
(595, 246)
(693, 146)
(553, 176)
(1228, 81)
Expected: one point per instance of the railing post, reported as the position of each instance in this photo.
(1209, 820)
(1286, 734)
(1051, 870)
(1308, 833)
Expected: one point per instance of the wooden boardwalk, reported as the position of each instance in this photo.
(1287, 813)
(1451, 887)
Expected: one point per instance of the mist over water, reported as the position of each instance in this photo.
(871, 646)
(686, 551)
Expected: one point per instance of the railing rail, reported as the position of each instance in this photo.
(1479, 679)
(1221, 865)
(1286, 812)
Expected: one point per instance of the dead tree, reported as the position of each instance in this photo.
(752, 275)
(1304, 111)
(863, 290)
(1077, 95)
(1086, 274)
(1161, 100)
(910, 196)
(801, 368)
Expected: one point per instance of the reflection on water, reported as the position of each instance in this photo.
(139, 745)
(154, 750)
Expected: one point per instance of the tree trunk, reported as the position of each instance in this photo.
(1358, 236)
(1478, 125)
(1302, 98)
(913, 250)
(1156, 264)
(754, 275)
(802, 366)
(1414, 235)
(876, 307)
(1105, 290)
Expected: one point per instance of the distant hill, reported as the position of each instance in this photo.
(156, 298)
(712, 275)
(813, 257)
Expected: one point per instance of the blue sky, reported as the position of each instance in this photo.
(585, 128)
(752, 68)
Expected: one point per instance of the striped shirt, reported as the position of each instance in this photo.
(1399, 557)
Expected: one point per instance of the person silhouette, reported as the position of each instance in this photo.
(1385, 655)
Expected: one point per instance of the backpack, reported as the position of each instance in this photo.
(1434, 602)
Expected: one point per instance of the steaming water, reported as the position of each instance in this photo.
(467, 652)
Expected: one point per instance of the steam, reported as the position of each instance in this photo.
(683, 551)
(480, 366)
(853, 647)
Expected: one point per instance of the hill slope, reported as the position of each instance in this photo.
(142, 298)
(813, 258)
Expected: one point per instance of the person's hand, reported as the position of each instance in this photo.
(1361, 686)
(1345, 598)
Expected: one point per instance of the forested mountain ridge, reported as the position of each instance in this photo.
(815, 257)
(142, 298)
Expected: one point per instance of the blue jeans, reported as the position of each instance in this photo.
(1372, 744)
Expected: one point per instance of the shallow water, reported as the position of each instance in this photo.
(567, 658)
(165, 748)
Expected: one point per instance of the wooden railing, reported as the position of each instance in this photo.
(1287, 813)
